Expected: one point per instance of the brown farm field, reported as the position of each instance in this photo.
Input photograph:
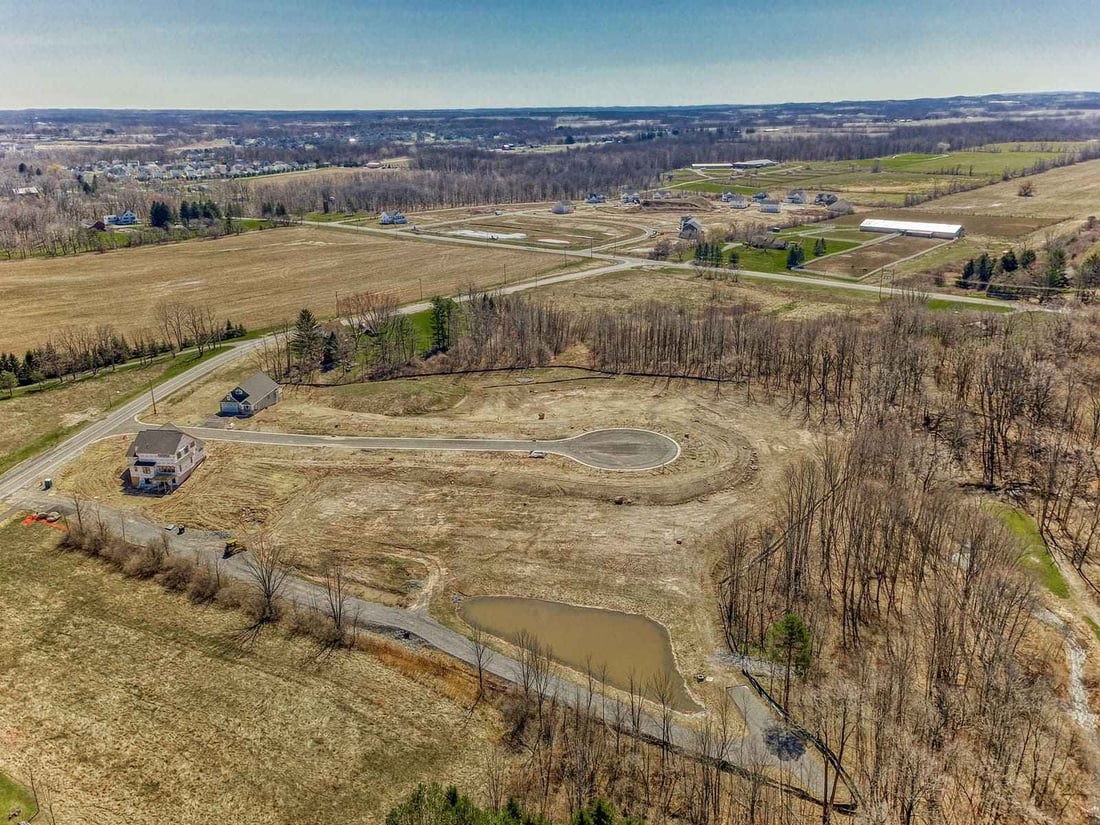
(129, 704)
(259, 279)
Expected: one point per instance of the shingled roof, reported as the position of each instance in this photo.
(256, 386)
(164, 440)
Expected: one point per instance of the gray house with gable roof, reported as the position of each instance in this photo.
(250, 396)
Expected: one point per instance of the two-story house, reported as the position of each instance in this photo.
(162, 459)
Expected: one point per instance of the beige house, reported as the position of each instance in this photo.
(161, 459)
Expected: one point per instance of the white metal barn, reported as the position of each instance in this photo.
(917, 228)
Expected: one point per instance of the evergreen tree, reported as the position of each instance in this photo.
(160, 215)
(442, 320)
(1009, 262)
(966, 280)
(796, 255)
(789, 643)
(819, 247)
(307, 341)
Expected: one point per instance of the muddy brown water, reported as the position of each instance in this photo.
(623, 645)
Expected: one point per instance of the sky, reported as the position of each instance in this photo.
(339, 54)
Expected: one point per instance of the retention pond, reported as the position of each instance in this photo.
(619, 648)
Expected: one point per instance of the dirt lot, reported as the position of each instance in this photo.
(494, 523)
(552, 231)
(259, 279)
(865, 259)
(132, 705)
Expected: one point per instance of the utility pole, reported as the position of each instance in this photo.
(152, 396)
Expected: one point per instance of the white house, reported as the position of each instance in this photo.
(126, 218)
(162, 459)
(252, 395)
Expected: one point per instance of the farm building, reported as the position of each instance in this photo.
(562, 208)
(161, 459)
(712, 166)
(391, 218)
(918, 229)
(251, 395)
(761, 163)
(691, 229)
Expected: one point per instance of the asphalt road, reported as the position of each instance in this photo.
(621, 449)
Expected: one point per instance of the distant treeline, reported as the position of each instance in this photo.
(446, 176)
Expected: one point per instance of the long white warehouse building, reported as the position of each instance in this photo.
(918, 228)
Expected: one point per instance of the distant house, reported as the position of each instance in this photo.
(595, 198)
(770, 205)
(562, 208)
(760, 196)
(840, 207)
(26, 192)
(739, 202)
(126, 218)
(392, 218)
(796, 196)
(96, 226)
(825, 199)
(662, 193)
(691, 229)
(161, 459)
(631, 197)
(252, 395)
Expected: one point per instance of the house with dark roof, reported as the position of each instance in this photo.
(161, 459)
(251, 395)
(691, 229)
(595, 197)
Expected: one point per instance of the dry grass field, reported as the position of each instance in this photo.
(868, 258)
(30, 418)
(622, 290)
(133, 705)
(1060, 194)
(259, 279)
(551, 231)
(481, 524)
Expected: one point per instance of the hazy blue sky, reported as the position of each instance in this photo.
(327, 54)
